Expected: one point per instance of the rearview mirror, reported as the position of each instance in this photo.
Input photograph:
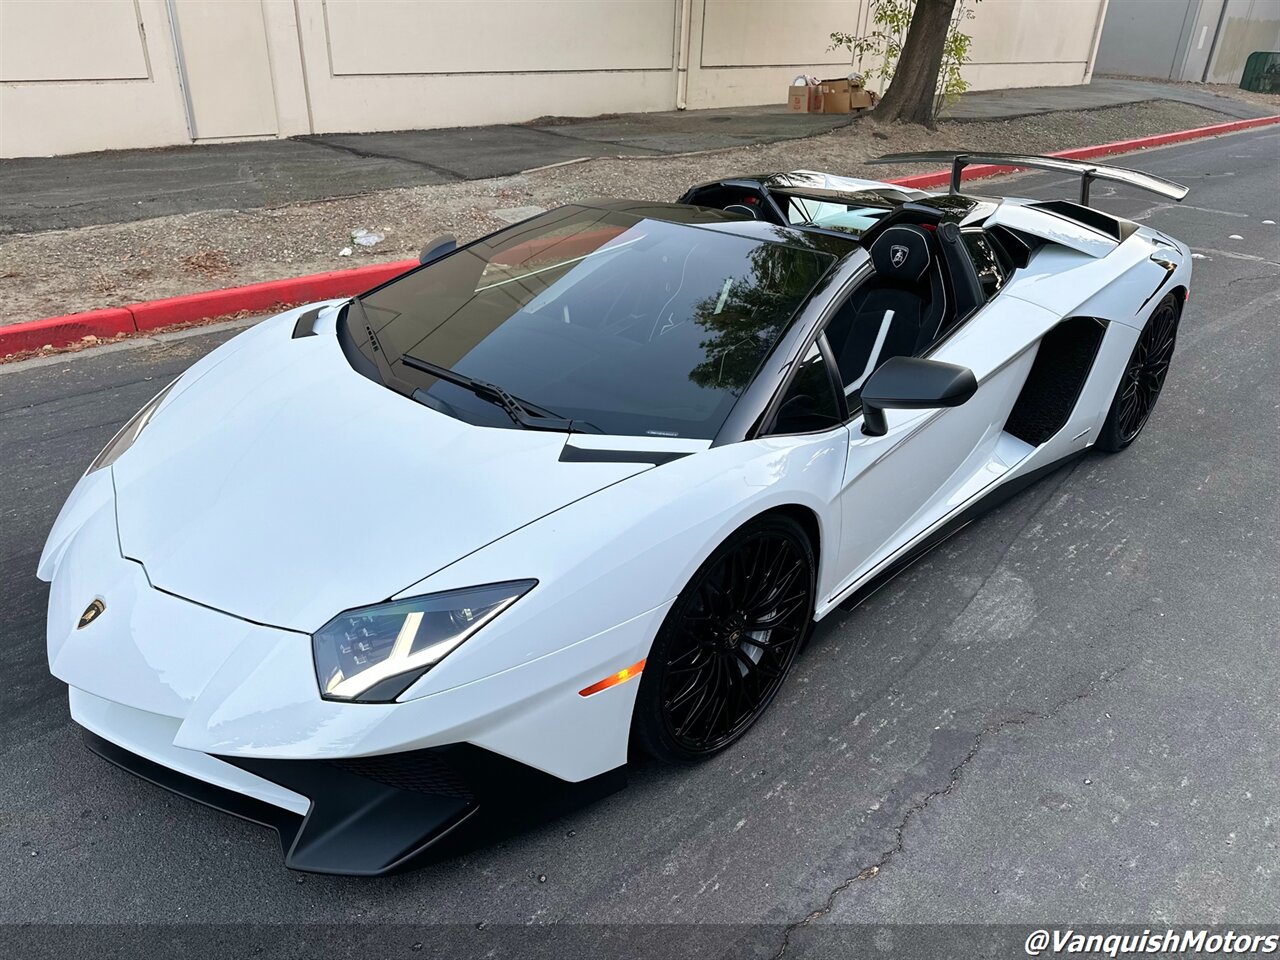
(437, 248)
(911, 383)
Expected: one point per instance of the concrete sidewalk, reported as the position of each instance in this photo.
(1102, 92)
(48, 193)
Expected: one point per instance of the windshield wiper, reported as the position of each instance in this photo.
(515, 409)
(495, 394)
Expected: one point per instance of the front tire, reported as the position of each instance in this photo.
(727, 643)
(1143, 377)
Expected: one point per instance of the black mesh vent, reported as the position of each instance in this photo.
(422, 771)
(1062, 363)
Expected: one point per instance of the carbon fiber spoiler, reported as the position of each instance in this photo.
(1086, 171)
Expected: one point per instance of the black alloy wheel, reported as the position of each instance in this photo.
(728, 642)
(1143, 378)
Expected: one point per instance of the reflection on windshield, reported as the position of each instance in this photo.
(640, 326)
(741, 318)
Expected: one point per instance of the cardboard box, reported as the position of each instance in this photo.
(804, 99)
(861, 100)
(841, 96)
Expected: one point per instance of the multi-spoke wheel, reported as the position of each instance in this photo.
(727, 642)
(1143, 378)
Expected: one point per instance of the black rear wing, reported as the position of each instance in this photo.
(1086, 171)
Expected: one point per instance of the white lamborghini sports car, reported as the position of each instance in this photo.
(389, 573)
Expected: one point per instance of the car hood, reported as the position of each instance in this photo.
(283, 487)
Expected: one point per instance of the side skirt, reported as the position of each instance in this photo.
(953, 525)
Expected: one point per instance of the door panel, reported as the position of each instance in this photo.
(931, 461)
(942, 459)
(225, 66)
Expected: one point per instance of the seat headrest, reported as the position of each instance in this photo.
(901, 253)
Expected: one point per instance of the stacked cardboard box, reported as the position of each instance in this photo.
(843, 95)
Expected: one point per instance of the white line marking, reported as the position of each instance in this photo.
(1159, 207)
(1240, 256)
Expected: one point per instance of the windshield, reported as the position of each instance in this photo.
(851, 218)
(635, 326)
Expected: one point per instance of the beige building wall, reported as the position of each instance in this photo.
(87, 75)
(1046, 43)
(405, 64)
(80, 75)
(747, 51)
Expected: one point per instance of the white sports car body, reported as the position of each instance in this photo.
(381, 572)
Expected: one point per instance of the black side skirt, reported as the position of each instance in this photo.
(989, 501)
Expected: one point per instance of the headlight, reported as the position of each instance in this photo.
(123, 440)
(373, 654)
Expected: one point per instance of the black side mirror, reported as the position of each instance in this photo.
(437, 248)
(911, 383)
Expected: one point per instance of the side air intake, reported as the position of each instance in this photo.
(1063, 361)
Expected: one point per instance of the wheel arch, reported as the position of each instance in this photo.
(805, 516)
(808, 520)
(644, 729)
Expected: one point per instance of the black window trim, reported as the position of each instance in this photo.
(815, 333)
(998, 254)
(833, 380)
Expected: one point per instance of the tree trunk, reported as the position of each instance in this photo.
(910, 96)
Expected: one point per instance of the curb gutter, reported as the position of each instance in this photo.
(154, 314)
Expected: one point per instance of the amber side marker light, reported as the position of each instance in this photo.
(622, 676)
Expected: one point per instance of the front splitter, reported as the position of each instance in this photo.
(372, 816)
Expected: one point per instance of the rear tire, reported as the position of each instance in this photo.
(727, 643)
(1143, 378)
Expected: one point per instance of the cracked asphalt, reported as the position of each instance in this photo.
(1066, 714)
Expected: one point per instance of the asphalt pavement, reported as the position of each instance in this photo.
(119, 186)
(1066, 714)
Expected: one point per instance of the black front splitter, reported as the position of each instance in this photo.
(380, 815)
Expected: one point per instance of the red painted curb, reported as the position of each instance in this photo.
(261, 296)
(71, 328)
(59, 331)
(104, 324)
(941, 178)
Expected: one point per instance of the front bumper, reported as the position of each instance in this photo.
(228, 712)
(358, 817)
(242, 689)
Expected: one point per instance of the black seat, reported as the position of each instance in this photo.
(907, 281)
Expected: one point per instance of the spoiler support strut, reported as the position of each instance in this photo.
(1087, 172)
